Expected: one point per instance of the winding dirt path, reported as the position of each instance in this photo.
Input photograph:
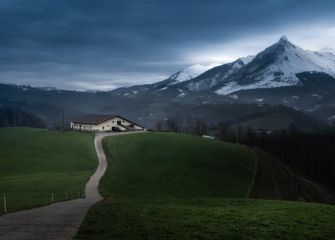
(58, 221)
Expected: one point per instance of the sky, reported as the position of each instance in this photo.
(106, 44)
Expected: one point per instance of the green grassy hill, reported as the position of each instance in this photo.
(174, 186)
(35, 162)
(168, 165)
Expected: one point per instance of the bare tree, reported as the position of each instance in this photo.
(159, 126)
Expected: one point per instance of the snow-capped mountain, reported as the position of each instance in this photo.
(277, 66)
(214, 76)
(192, 72)
(281, 74)
(186, 74)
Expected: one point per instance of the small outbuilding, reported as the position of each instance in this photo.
(105, 123)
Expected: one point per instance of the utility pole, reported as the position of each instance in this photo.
(5, 202)
(63, 122)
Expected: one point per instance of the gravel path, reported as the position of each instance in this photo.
(60, 220)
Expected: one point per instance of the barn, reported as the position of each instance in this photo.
(105, 123)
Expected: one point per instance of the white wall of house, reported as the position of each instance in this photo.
(116, 122)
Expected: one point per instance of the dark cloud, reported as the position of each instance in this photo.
(54, 41)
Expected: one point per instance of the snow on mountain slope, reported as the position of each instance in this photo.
(277, 66)
(247, 59)
(192, 72)
(216, 75)
(327, 50)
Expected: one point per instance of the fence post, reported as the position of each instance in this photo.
(52, 198)
(5, 203)
(67, 196)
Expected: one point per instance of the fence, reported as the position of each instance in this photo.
(14, 201)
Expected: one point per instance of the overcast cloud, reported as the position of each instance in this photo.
(105, 44)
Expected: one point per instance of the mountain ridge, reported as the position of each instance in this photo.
(308, 88)
(276, 66)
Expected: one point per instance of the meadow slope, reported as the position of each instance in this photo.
(175, 186)
(34, 163)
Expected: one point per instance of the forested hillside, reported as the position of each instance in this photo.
(12, 117)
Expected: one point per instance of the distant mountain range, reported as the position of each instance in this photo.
(283, 75)
(276, 66)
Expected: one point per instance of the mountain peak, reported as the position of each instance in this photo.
(283, 39)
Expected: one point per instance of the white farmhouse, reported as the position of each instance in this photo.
(104, 123)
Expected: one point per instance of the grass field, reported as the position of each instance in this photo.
(173, 186)
(34, 163)
(161, 166)
(209, 219)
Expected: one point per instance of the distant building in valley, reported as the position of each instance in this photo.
(105, 123)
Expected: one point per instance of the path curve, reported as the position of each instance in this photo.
(59, 221)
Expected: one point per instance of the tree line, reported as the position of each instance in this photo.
(312, 154)
(188, 125)
(13, 117)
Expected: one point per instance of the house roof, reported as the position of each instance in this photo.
(95, 119)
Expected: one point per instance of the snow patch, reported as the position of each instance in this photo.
(247, 59)
(267, 82)
(316, 95)
(313, 108)
(332, 118)
(327, 50)
(162, 89)
(182, 95)
(234, 96)
(192, 72)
